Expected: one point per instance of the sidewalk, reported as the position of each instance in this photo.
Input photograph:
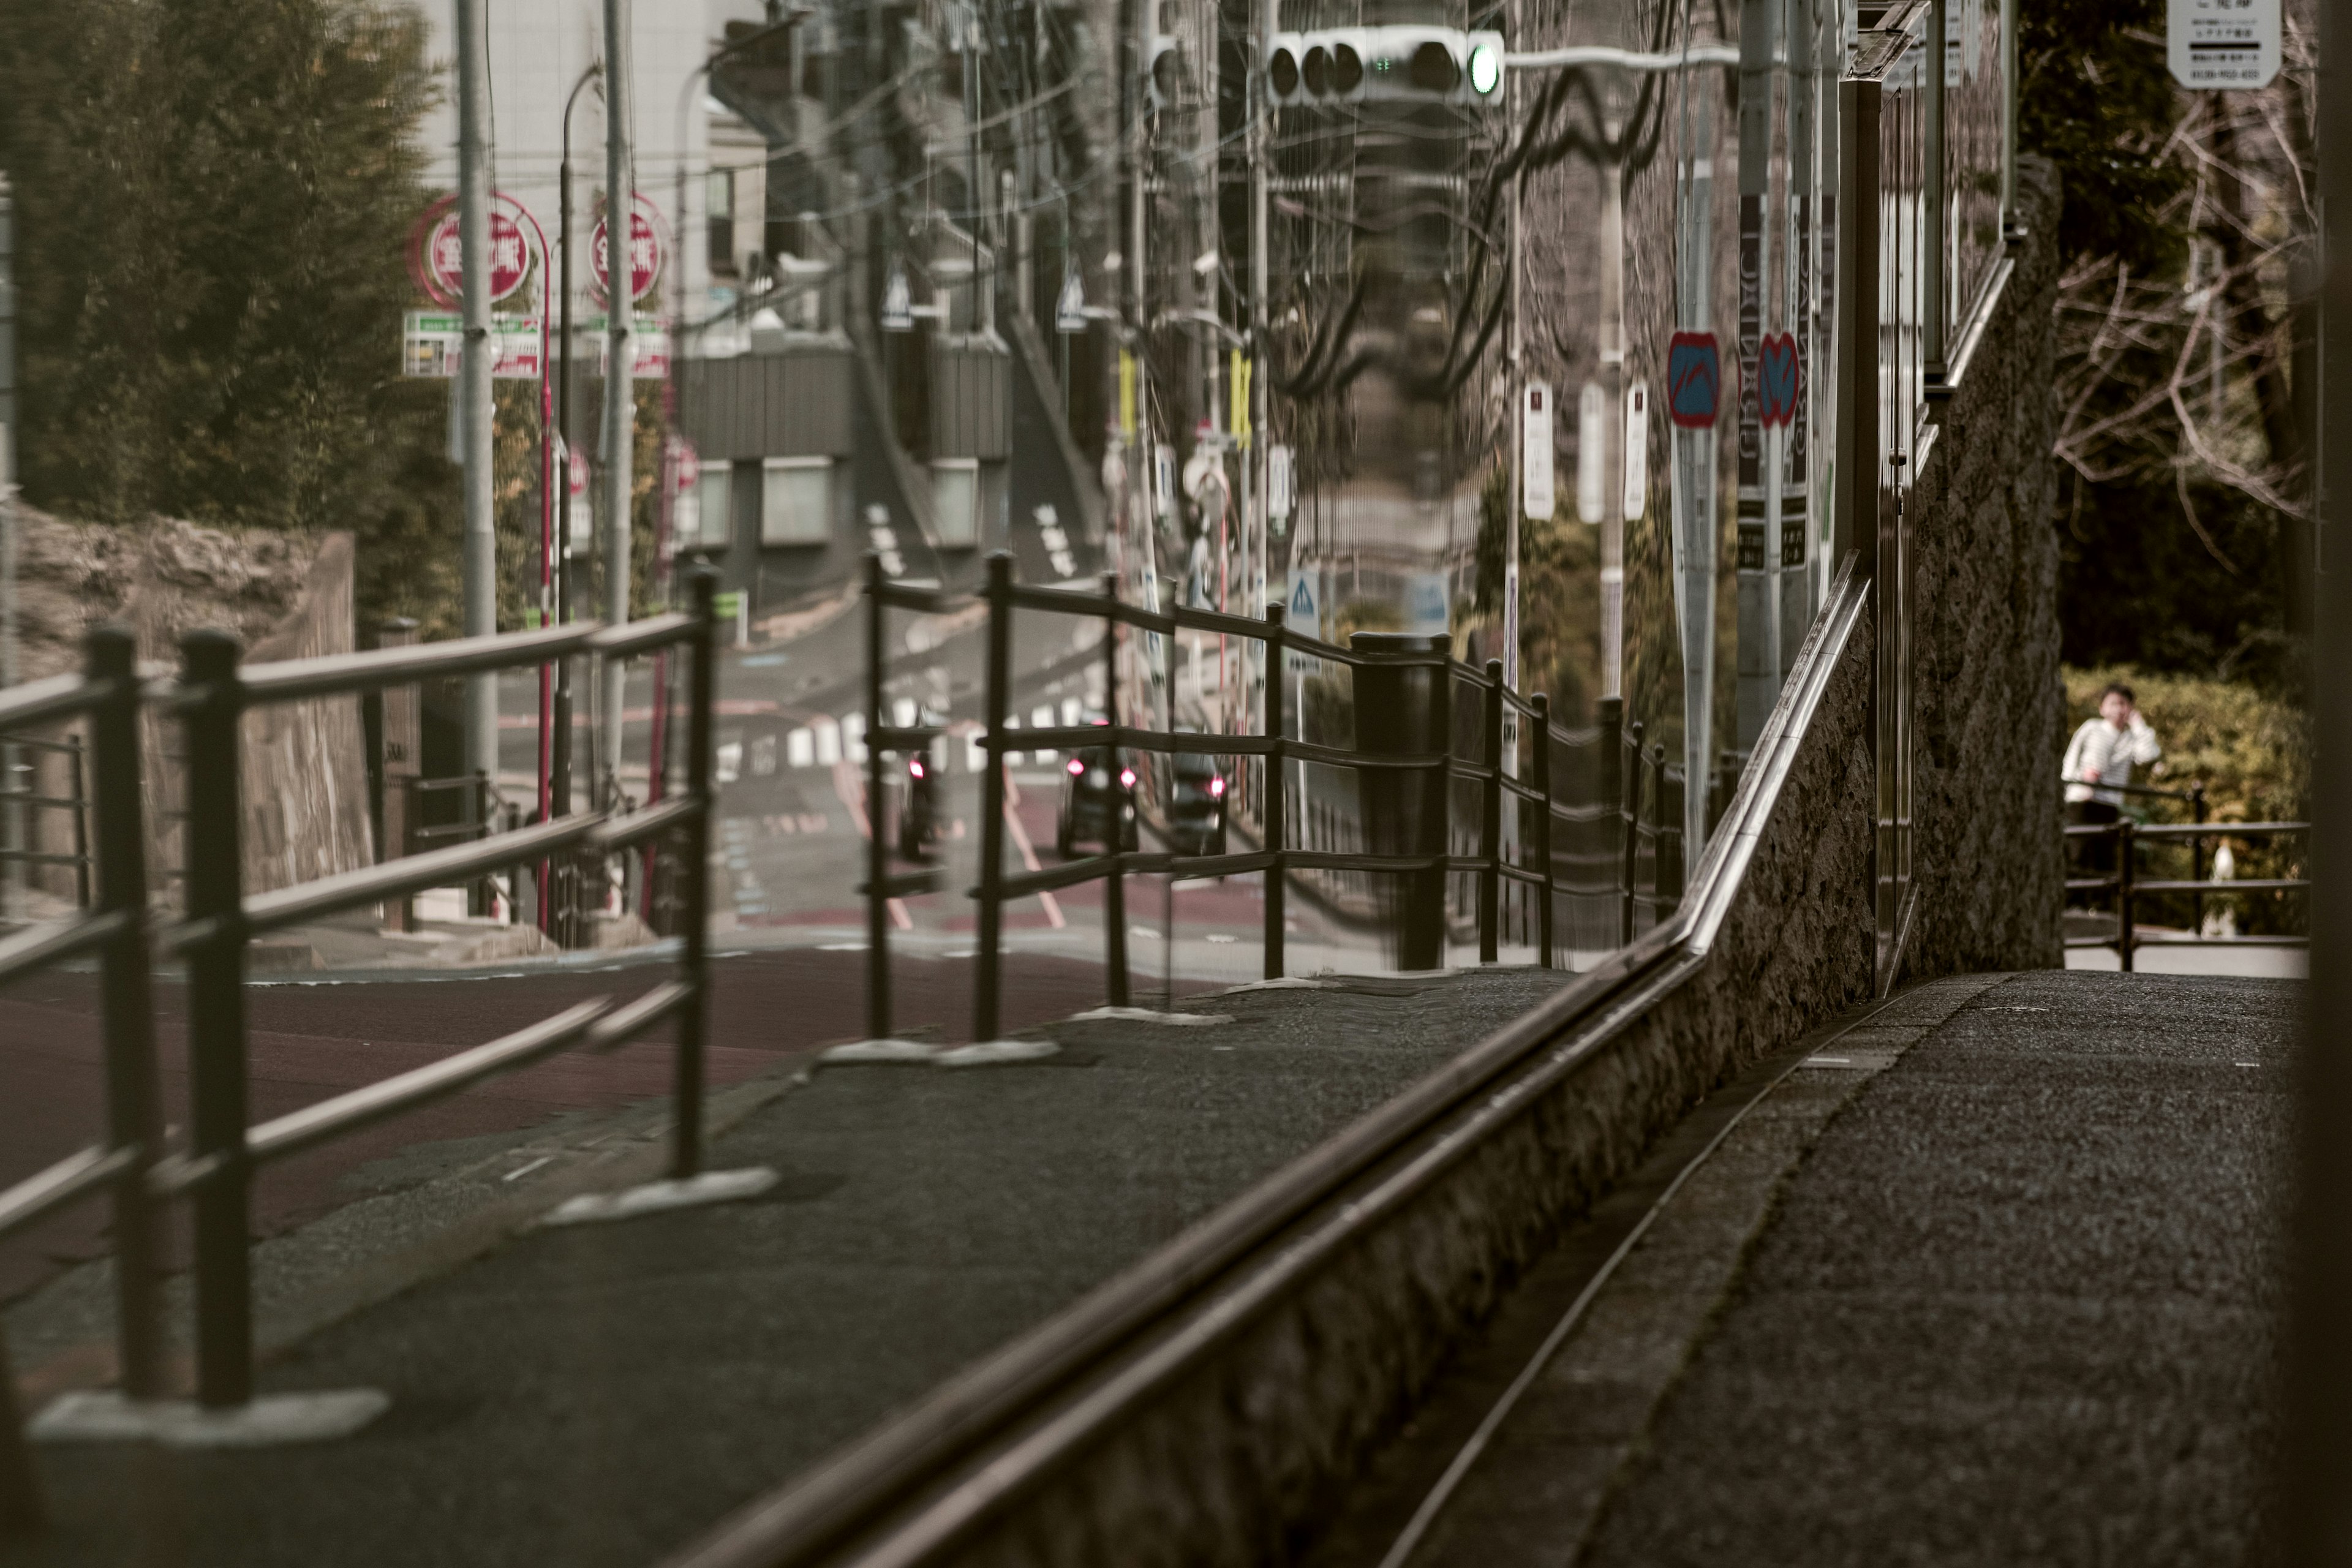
(599, 1395)
(1992, 1277)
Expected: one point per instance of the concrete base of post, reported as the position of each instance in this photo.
(269, 1421)
(659, 1198)
(857, 1051)
(990, 1053)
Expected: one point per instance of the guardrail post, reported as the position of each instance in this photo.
(217, 1021)
(1490, 820)
(1657, 828)
(986, 1010)
(1610, 788)
(1115, 881)
(878, 851)
(79, 795)
(134, 1117)
(2124, 857)
(1273, 801)
(2196, 859)
(1542, 727)
(694, 879)
(1630, 818)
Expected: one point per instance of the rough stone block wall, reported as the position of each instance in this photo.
(1988, 708)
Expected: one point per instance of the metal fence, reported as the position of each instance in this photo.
(2129, 886)
(21, 798)
(1409, 755)
(217, 1168)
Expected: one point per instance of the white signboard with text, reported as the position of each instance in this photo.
(2222, 45)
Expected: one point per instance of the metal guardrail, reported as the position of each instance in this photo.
(22, 801)
(215, 1172)
(2129, 886)
(1627, 782)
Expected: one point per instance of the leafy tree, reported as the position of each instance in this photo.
(212, 200)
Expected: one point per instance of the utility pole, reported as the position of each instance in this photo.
(1794, 568)
(11, 831)
(1760, 611)
(620, 385)
(480, 558)
(559, 783)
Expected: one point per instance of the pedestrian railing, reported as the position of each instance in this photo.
(223, 1153)
(21, 798)
(1406, 755)
(2129, 886)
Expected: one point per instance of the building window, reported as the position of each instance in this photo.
(796, 500)
(715, 489)
(719, 210)
(955, 501)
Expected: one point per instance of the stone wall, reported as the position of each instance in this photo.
(285, 595)
(1989, 712)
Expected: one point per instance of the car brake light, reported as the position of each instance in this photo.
(916, 767)
(1126, 777)
(1076, 767)
(1216, 786)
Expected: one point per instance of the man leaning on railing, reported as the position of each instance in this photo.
(2098, 768)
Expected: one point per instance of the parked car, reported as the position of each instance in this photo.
(1097, 803)
(1196, 806)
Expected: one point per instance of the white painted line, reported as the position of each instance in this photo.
(519, 1171)
(881, 1051)
(990, 1052)
(1219, 936)
(657, 1197)
(1146, 1016)
(1287, 982)
(841, 947)
(2246, 1064)
(1829, 1061)
(273, 1418)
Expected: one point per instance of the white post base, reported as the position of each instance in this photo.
(988, 1052)
(273, 1418)
(657, 1197)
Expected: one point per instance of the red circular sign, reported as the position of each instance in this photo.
(445, 254)
(645, 253)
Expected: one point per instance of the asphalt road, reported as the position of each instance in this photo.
(311, 1041)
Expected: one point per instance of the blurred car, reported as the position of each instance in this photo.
(1196, 806)
(1097, 803)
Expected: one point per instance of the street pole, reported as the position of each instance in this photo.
(480, 558)
(560, 785)
(620, 386)
(9, 674)
(1759, 668)
(2316, 1446)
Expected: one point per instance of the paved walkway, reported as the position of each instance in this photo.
(596, 1396)
(1991, 1277)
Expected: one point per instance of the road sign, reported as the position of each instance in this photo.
(436, 252)
(1425, 606)
(1637, 450)
(1301, 614)
(1277, 481)
(433, 343)
(1776, 378)
(1591, 452)
(645, 252)
(1694, 380)
(580, 520)
(1536, 498)
(2222, 45)
(649, 343)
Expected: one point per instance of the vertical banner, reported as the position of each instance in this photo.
(1537, 500)
(1694, 377)
(1126, 395)
(1591, 453)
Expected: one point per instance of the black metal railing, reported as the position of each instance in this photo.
(2129, 886)
(21, 798)
(216, 1170)
(1408, 766)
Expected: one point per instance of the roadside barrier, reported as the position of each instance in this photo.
(1408, 756)
(2129, 886)
(216, 1170)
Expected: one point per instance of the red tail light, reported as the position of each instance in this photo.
(1216, 786)
(1076, 767)
(1126, 778)
(916, 767)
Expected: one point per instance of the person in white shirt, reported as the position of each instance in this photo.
(2099, 762)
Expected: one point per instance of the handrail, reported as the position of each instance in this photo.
(2127, 885)
(1061, 1384)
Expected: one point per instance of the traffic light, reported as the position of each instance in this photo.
(1161, 71)
(1397, 64)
